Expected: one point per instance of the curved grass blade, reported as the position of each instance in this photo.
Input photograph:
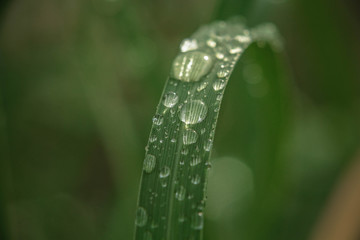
(172, 191)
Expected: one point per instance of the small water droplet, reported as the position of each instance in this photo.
(197, 221)
(184, 151)
(235, 50)
(193, 112)
(189, 136)
(173, 140)
(219, 55)
(188, 45)
(223, 73)
(195, 161)
(243, 38)
(170, 99)
(165, 172)
(208, 145)
(202, 86)
(158, 119)
(180, 193)
(152, 138)
(211, 43)
(219, 84)
(191, 66)
(149, 163)
(203, 131)
(141, 217)
(196, 179)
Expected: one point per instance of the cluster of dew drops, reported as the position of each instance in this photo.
(215, 48)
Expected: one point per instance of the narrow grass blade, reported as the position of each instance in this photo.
(172, 192)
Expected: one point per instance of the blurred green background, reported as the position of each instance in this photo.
(79, 82)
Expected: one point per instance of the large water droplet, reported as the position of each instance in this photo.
(188, 45)
(219, 84)
(165, 172)
(189, 136)
(197, 221)
(193, 112)
(141, 217)
(158, 119)
(196, 179)
(149, 163)
(180, 193)
(191, 66)
(170, 99)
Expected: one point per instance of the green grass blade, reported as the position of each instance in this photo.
(172, 192)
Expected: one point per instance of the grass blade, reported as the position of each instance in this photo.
(172, 191)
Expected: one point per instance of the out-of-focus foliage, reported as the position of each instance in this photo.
(79, 82)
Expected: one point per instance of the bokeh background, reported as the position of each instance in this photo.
(79, 83)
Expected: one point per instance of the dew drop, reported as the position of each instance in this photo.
(158, 119)
(197, 221)
(165, 172)
(149, 163)
(235, 50)
(141, 217)
(193, 112)
(211, 43)
(170, 99)
(191, 66)
(180, 193)
(188, 45)
(208, 145)
(195, 161)
(202, 86)
(184, 151)
(152, 138)
(196, 179)
(222, 73)
(189, 136)
(218, 84)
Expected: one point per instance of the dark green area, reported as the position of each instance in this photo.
(79, 83)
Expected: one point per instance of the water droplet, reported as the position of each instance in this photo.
(149, 163)
(219, 97)
(188, 45)
(219, 84)
(152, 138)
(211, 43)
(147, 236)
(202, 86)
(219, 55)
(141, 217)
(158, 119)
(193, 112)
(191, 66)
(208, 145)
(189, 136)
(195, 161)
(180, 193)
(184, 151)
(223, 73)
(165, 172)
(202, 131)
(243, 38)
(196, 179)
(170, 99)
(197, 221)
(173, 140)
(235, 50)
